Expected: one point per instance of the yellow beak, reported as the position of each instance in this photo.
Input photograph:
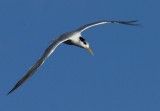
(89, 50)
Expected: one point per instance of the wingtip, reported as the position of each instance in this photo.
(14, 88)
(10, 91)
(135, 24)
(135, 20)
(132, 22)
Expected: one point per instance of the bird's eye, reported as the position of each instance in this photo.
(82, 39)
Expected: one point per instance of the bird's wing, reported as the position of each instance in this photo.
(31, 71)
(81, 29)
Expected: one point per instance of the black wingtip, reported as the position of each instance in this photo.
(9, 92)
(14, 88)
(131, 22)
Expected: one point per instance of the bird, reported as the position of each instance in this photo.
(71, 38)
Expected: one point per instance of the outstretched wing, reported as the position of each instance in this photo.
(81, 29)
(31, 71)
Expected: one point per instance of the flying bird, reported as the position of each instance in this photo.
(71, 38)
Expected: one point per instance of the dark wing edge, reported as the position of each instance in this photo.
(131, 22)
(126, 22)
(31, 71)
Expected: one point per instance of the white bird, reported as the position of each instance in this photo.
(71, 38)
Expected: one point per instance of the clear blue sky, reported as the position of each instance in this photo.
(124, 74)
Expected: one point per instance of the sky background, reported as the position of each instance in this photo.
(123, 74)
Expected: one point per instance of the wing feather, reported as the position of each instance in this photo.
(31, 71)
(81, 29)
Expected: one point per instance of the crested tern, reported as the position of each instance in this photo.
(71, 38)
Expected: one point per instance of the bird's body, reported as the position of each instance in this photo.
(70, 38)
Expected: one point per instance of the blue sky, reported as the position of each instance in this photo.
(123, 74)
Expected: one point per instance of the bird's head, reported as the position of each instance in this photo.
(85, 44)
